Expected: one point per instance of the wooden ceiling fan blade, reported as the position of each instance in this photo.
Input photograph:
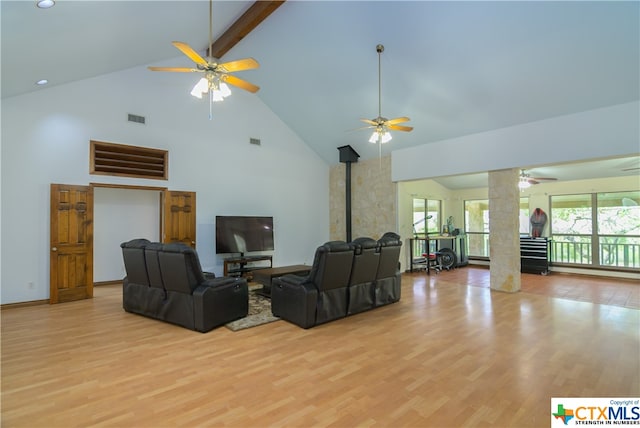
(400, 128)
(532, 181)
(360, 128)
(369, 121)
(240, 65)
(188, 51)
(174, 69)
(398, 120)
(243, 84)
(544, 178)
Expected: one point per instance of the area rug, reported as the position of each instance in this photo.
(259, 312)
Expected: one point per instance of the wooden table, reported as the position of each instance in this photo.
(265, 276)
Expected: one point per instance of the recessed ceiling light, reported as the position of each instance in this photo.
(42, 82)
(45, 4)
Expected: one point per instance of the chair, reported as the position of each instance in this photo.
(387, 285)
(321, 296)
(363, 275)
(434, 261)
(193, 301)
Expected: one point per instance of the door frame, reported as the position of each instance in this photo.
(163, 192)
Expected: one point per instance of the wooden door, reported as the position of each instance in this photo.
(179, 217)
(71, 249)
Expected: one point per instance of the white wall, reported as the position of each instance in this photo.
(120, 215)
(45, 139)
(606, 132)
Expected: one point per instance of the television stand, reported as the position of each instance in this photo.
(239, 266)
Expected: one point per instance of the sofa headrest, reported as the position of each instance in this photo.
(135, 243)
(360, 244)
(390, 239)
(177, 247)
(335, 247)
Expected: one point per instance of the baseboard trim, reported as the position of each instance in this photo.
(114, 282)
(46, 301)
(24, 304)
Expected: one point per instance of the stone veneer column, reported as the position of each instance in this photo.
(373, 199)
(504, 230)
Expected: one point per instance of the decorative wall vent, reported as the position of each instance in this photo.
(135, 118)
(128, 161)
(255, 141)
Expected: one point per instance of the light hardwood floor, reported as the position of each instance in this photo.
(451, 353)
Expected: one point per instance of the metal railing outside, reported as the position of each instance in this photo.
(570, 249)
(598, 251)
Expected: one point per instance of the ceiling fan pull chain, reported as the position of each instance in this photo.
(210, 103)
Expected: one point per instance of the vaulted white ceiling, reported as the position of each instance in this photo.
(455, 68)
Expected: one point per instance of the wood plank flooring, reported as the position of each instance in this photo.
(451, 353)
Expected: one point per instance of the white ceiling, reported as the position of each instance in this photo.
(455, 68)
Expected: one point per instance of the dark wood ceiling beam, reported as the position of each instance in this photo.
(257, 13)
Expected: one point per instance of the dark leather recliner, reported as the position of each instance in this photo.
(321, 296)
(362, 290)
(387, 285)
(166, 282)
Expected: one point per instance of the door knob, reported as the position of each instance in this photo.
(54, 249)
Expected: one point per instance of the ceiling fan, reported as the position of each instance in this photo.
(526, 180)
(382, 125)
(215, 75)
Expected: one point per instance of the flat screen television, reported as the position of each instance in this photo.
(243, 234)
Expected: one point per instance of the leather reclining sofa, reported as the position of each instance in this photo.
(166, 282)
(345, 279)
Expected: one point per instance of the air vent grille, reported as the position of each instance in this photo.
(255, 141)
(135, 118)
(128, 161)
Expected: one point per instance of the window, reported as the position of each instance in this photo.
(426, 216)
(599, 229)
(476, 223)
(619, 229)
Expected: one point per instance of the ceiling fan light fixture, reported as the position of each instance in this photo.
(380, 136)
(202, 87)
(225, 90)
(215, 75)
(216, 95)
(385, 137)
(381, 125)
(523, 183)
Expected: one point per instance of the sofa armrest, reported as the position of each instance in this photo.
(220, 301)
(220, 281)
(208, 275)
(294, 300)
(290, 279)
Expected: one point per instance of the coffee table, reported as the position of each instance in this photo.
(265, 276)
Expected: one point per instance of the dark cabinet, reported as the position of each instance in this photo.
(534, 255)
